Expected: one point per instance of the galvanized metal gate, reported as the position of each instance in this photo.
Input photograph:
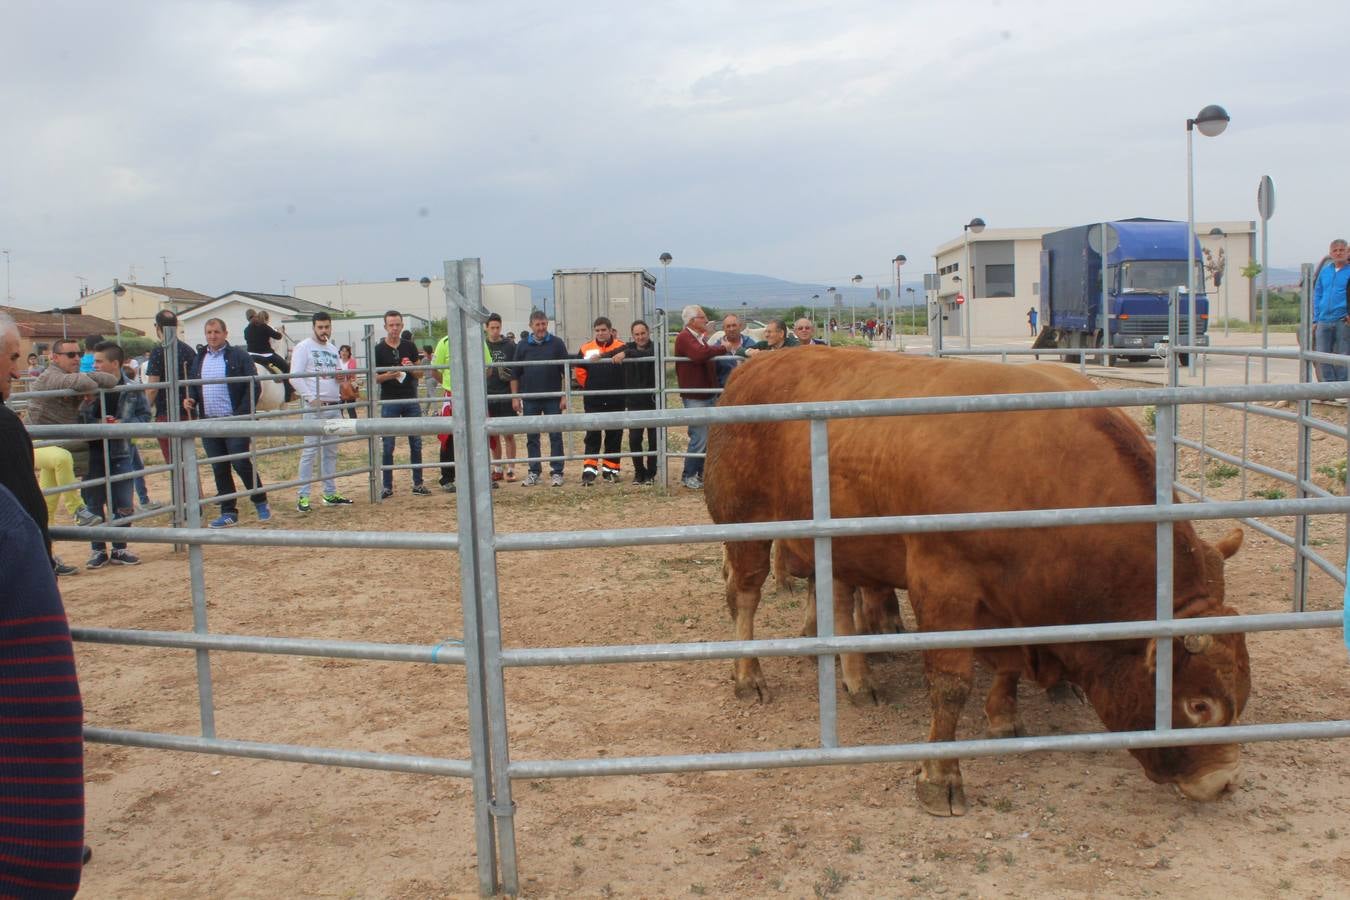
(490, 767)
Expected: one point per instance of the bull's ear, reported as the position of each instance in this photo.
(1151, 655)
(1229, 543)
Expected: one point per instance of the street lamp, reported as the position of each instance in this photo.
(815, 298)
(666, 260)
(913, 325)
(1220, 273)
(1212, 120)
(853, 304)
(426, 283)
(899, 261)
(118, 291)
(974, 226)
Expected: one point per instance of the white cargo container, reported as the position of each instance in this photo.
(582, 295)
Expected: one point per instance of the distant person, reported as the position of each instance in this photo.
(398, 400)
(776, 337)
(805, 332)
(34, 370)
(111, 408)
(258, 336)
(349, 388)
(696, 378)
(157, 371)
(598, 375)
(540, 346)
(314, 367)
(502, 351)
(733, 341)
(217, 361)
(87, 360)
(1032, 315)
(639, 377)
(1331, 326)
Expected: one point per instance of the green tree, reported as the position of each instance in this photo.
(1251, 269)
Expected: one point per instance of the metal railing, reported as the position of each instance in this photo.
(478, 544)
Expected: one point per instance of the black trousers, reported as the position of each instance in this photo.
(643, 466)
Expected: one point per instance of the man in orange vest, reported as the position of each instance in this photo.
(601, 373)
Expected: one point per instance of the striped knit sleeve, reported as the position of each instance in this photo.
(41, 744)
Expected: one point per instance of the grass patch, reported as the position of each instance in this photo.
(1220, 472)
(1269, 494)
(833, 883)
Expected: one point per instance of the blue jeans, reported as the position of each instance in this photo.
(408, 409)
(138, 465)
(546, 406)
(1331, 337)
(698, 439)
(96, 497)
(316, 445)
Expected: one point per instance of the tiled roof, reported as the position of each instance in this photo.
(181, 294)
(40, 325)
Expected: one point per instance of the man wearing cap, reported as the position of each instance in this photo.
(157, 369)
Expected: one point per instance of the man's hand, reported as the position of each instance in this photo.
(617, 357)
(517, 405)
(562, 403)
(189, 405)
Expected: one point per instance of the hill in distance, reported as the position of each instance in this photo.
(728, 291)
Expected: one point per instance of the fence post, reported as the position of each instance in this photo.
(187, 452)
(824, 599)
(663, 335)
(1165, 431)
(494, 810)
(376, 473)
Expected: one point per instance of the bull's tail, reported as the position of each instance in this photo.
(781, 580)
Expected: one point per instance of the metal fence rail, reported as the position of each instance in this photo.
(478, 544)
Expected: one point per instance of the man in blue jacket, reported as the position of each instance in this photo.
(1331, 326)
(540, 346)
(219, 360)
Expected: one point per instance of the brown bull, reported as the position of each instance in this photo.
(957, 463)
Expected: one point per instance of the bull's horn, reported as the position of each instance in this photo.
(1197, 643)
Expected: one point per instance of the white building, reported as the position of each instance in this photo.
(413, 298)
(232, 309)
(1006, 264)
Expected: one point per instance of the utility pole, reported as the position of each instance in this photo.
(165, 260)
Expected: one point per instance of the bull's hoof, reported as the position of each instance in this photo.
(1064, 692)
(941, 799)
(1007, 729)
(753, 690)
(866, 695)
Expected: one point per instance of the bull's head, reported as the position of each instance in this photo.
(1211, 680)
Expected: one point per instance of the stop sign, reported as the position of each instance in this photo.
(960, 298)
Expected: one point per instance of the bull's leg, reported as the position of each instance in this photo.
(939, 786)
(782, 581)
(857, 676)
(1000, 708)
(879, 612)
(809, 620)
(746, 565)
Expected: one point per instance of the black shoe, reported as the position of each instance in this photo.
(610, 476)
(587, 479)
(421, 490)
(386, 493)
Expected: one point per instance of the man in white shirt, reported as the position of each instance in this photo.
(314, 365)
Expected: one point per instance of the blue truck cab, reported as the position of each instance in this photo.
(1145, 259)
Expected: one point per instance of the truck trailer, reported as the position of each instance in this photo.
(1145, 259)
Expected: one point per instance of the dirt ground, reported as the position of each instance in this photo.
(168, 824)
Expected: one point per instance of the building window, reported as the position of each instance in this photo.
(998, 280)
(1035, 289)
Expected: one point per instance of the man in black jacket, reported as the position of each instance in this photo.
(639, 377)
(219, 360)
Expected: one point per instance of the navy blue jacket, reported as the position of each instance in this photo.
(237, 362)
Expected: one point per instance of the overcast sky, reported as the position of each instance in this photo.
(312, 142)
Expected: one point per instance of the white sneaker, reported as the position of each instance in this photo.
(531, 480)
(556, 480)
(694, 483)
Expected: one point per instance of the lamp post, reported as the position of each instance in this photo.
(118, 291)
(815, 298)
(853, 304)
(831, 298)
(666, 260)
(1212, 120)
(426, 283)
(913, 325)
(974, 226)
(899, 261)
